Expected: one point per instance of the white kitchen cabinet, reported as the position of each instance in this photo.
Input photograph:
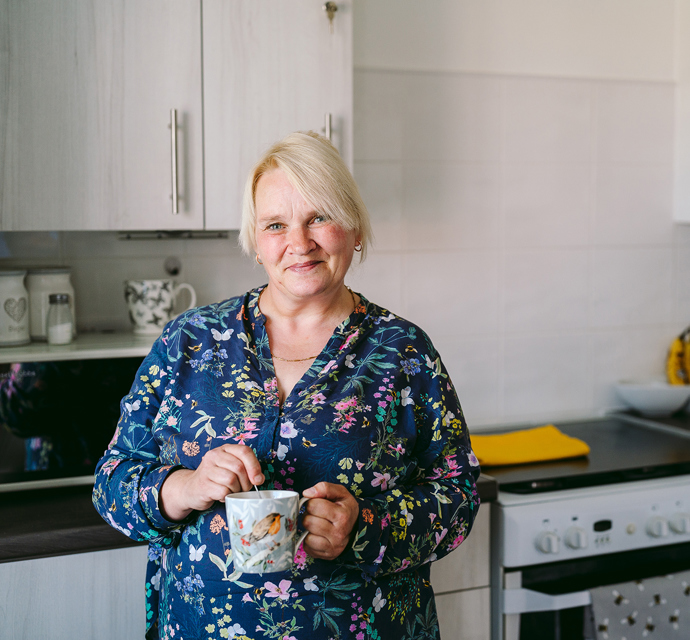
(465, 615)
(85, 595)
(270, 68)
(85, 115)
(85, 138)
(461, 584)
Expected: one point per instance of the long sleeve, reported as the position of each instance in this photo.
(130, 474)
(425, 516)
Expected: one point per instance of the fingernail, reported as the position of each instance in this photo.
(308, 492)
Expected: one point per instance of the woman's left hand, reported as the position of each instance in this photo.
(331, 515)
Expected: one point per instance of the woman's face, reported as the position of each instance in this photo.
(304, 254)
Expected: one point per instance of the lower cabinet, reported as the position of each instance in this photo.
(461, 584)
(85, 595)
(465, 615)
(101, 594)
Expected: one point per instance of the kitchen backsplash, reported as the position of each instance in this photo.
(525, 223)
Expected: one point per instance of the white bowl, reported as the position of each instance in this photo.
(655, 397)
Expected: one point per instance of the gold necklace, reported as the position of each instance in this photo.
(310, 357)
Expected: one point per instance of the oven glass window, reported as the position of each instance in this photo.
(57, 418)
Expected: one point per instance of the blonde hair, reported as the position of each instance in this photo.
(314, 167)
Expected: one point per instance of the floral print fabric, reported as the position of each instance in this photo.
(376, 413)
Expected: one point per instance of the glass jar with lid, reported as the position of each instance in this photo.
(41, 282)
(59, 320)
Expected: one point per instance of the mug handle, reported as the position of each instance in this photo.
(304, 534)
(192, 293)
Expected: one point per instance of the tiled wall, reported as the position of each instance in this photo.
(524, 223)
(101, 263)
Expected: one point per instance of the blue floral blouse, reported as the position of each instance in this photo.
(376, 413)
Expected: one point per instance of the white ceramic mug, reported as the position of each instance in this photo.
(263, 529)
(152, 303)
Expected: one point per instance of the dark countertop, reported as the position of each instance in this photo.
(53, 522)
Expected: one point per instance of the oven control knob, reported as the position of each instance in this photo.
(576, 538)
(657, 527)
(547, 542)
(680, 523)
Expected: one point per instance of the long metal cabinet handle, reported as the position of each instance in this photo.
(173, 154)
(327, 127)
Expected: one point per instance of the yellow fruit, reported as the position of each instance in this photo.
(678, 360)
(685, 338)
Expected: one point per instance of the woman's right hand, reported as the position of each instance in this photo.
(230, 468)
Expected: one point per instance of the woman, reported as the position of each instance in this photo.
(301, 384)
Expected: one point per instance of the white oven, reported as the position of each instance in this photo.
(560, 555)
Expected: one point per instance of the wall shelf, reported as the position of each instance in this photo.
(87, 346)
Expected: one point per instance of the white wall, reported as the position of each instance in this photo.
(619, 39)
(517, 160)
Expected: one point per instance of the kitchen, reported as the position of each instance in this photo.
(528, 149)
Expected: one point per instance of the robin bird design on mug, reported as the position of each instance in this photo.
(267, 526)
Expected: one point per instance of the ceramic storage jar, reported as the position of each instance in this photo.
(14, 315)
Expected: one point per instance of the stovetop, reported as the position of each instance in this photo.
(623, 449)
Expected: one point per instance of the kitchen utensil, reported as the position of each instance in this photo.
(152, 302)
(654, 397)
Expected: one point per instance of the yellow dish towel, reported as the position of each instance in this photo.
(528, 445)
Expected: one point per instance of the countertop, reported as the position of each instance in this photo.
(53, 522)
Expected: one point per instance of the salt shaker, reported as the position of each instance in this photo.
(41, 282)
(59, 321)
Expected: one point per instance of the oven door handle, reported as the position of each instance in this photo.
(528, 601)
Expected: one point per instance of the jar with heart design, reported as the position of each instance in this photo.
(14, 309)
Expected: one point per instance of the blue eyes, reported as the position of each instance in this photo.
(278, 226)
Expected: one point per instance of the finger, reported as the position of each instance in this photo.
(215, 483)
(241, 461)
(251, 465)
(326, 490)
(324, 509)
(229, 471)
(318, 547)
(334, 537)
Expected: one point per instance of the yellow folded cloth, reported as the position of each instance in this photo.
(527, 445)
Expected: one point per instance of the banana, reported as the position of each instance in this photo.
(685, 338)
(678, 360)
(676, 371)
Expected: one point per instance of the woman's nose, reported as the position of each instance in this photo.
(300, 240)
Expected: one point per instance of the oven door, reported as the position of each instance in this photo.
(552, 601)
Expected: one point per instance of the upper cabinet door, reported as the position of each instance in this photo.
(86, 117)
(270, 68)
